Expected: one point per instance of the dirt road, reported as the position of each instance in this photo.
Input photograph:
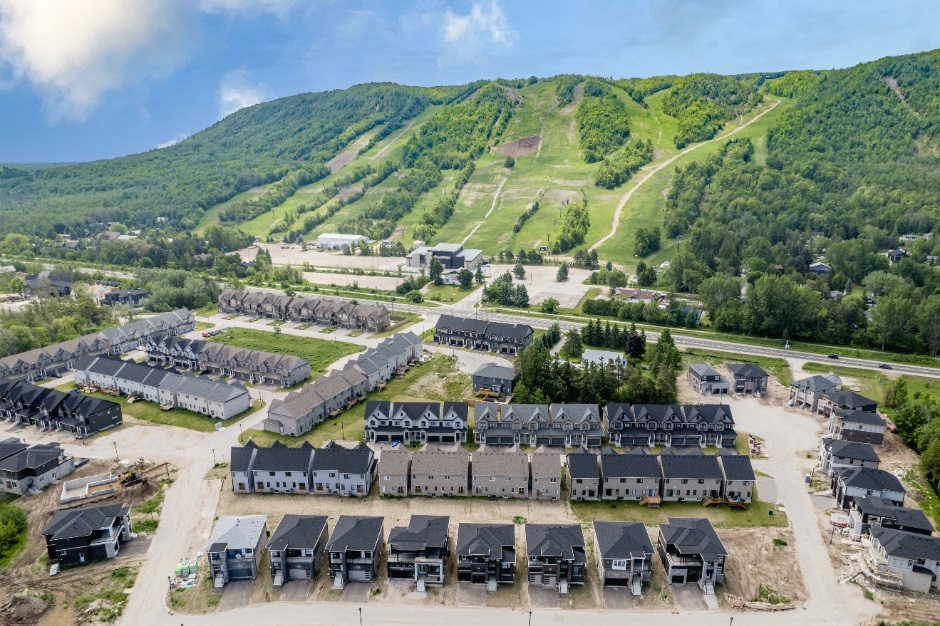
(492, 206)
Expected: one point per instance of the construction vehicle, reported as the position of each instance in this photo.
(133, 474)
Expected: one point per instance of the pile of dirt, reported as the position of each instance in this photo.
(25, 607)
(755, 559)
(526, 145)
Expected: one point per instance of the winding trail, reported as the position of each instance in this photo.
(492, 206)
(626, 197)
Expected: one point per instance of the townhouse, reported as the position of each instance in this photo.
(706, 380)
(902, 560)
(556, 555)
(562, 425)
(87, 534)
(215, 398)
(240, 467)
(494, 379)
(545, 467)
(690, 477)
(836, 454)
(25, 469)
(394, 472)
(624, 554)
(235, 548)
(130, 297)
(868, 511)
(691, 552)
(738, 478)
(368, 317)
(856, 482)
(336, 469)
(440, 473)
(295, 550)
(807, 393)
(417, 422)
(748, 378)
(502, 473)
(580, 423)
(648, 425)
(50, 409)
(635, 475)
(54, 360)
(499, 337)
(584, 475)
(862, 426)
(486, 554)
(355, 549)
(279, 469)
(419, 550)
(835, 400)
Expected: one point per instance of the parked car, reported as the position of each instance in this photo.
(833, 356)
(885, 366)
(207, 334)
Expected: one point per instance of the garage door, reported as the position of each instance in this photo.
(359, 574)
(297, 573)
(240, 573)
(617, 582)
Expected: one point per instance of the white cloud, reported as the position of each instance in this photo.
(236, 92)
(172, 141)
(471, 37)
(73, 52)
(277, 7)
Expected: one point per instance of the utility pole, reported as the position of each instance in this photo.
(360, 616)
(117, 457)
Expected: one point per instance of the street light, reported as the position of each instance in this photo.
(360, 616)
(530, 618)
(117, 457)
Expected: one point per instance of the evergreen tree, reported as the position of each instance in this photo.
(519, 271)
(478, 276)
(562, 274)
(435, 270)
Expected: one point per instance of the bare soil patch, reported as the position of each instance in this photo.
(519, 147)
(561, 195)
(349, 191)
(755, 560)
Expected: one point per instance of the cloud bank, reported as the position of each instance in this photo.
(471, 38)
(236, 92)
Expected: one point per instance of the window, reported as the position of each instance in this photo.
(287, 473)
(639, 481)
(619, 564)
(270, 473)
(447, 478)
(684, 481)
(701, 481)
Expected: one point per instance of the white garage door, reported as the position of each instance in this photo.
(297, 573)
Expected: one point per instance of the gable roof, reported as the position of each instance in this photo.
(394, 462)
(488, 461)
(433, 462)
(869, 478)
(297, 532)
(493, 370)
(622, 540)
(630, 465)
(868, 418)
(746, 370)
(559, 540)
(693, 536)
(545, 464)
(352, 532)
(333, 456)
(280, 458)
(83, 522)
(684, 466)
(703, 369)
(849, 399)
(487, 540)
(737, 466)
(242, 456)
(851, 450)
(904, 545)
(583, 464)
(882, 507)
(422, 532)
(815, 383)
(237, 532)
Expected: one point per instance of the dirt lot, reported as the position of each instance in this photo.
(519, 147)
(387, 283)
(296, 256)
(541, 285)
(31, 569)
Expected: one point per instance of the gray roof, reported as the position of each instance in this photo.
(460, 409)
(31, 458)
(622, 540)
(565, 541)
(737, 467)
(882, 507)
(280, 458)
(583, 464)
(445, 462)
(492, 370)
(849, 399)
(414, 410)
(851, 450)
(631, 465)
(298, 532)
(693, 536)
(814, 383)
(904, 545)
(869, 478)
(242, 456)
(422, 532)
(488, 540)
(237, 532)
(394, 462)
(510, 331)
(353, 532)
(490, 462)
(682, 466)
(83, 522)
(746, 370)
(867, 418)
(546, 464)
(344, 460)
(704, 369)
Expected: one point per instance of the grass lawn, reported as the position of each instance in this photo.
(401, 321)
(448, 293)
(204, 325)
(720, 516)
(319, 352)
(777, 368)
(438, 379)
(151, 412)
(10, 551)
(206, 311)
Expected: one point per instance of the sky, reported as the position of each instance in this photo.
(91, 79)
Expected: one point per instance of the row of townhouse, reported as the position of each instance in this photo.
(255, 366)
(746, 378)
(332, 469)
(555, 554)
(25, 468)
(200, 394)
(477, 334)
(369, 317)
(50, 409)
(487, 472)
(562, 425)
(417, 422)
(668, 477)
(645, 425)
(58, 358)
(329, 395)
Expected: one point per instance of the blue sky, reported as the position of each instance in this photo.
(91, 79)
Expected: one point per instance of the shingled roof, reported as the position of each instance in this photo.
(489, 540)
(356, 533)
(904, 545)
(298, 532)
(693, 536)
(622, 540)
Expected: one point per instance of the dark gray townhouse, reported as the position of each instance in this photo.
(635, 475)
(584, 475)
(486, 554)
(624, 554)
(50, 409)
(691, 552)
(419, 550)
(556, 555)
(499, 337)
(355, 549)
(368, 317)
(279, 469)
(690, 477)
(295, 549)
(669, 425)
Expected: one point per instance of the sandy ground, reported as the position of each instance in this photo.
(387, 283)
(296, 256)
(519, 147)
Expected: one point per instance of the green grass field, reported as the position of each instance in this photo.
(320, 352)
(448, 293)
(720, 516)
(211, 216)
(777, 368)
(438, 379)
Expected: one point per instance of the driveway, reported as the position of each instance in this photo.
(236, 594)
(296, 590)
(689, 597)
(356, 592)
(542, 597)
(470, 595)
(618, 599)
